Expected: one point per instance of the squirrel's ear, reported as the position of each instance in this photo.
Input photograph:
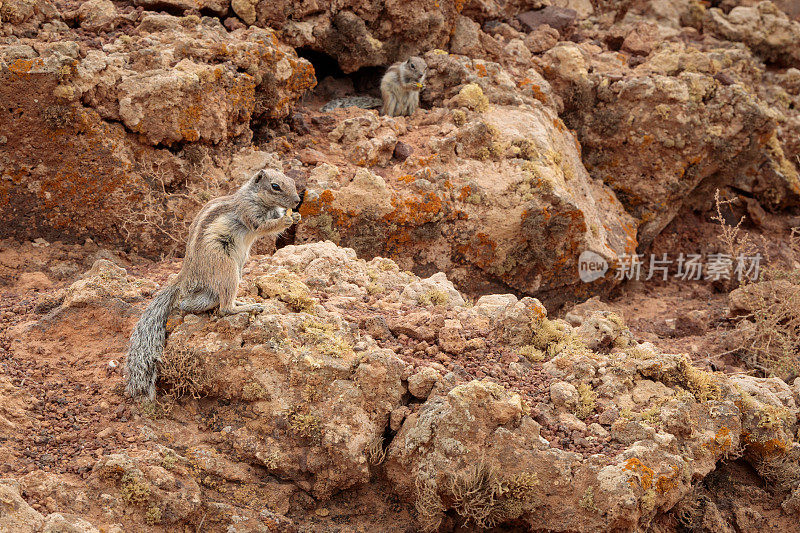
(259, 176)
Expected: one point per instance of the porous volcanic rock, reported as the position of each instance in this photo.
(528, 420)
(87, 122)
(655, 132)
(492, 411)
(492, 192)
(764, 28)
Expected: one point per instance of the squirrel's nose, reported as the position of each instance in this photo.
(296, 200)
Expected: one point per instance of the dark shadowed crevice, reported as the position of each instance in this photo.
(365, 81)
(324, 65)
(288, 237)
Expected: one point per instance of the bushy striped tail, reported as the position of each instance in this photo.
(147, 344)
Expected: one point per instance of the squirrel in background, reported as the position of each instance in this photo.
(400, 86)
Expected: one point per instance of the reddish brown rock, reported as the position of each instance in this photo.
(558, 18)
(84, 134)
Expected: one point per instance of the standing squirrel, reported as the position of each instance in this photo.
(400, 87)
(218, 246)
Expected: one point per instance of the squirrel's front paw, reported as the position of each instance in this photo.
(291, 217)
(286, 220)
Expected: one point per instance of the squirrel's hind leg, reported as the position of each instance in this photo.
(199, 302)
(228, 305)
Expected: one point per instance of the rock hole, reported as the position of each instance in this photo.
(388, 435)
(333, 82)
(614, 43)
(288, 236)
(324, 65)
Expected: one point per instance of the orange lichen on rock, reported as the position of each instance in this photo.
(721, 441)
(414, 210)
(481, 252)
(667, 482)
(765, 448)
(315, 206)
(643, 475)
(24, 66)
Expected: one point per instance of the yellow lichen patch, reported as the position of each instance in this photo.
(700, 383)
(433, 297)
(551, 338)
(153, 516)
(587, 500)
(527, 149)
(587, 401)
(374, 288)
(305, 425)
(531, 353)
(254, 391)
(287, 287)
(133, 489)
(326, 338)
(648, 501)
(471, 96)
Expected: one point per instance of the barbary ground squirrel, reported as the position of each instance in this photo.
(218, 246)
(401, 85)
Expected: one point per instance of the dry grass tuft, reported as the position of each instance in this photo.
(157, 208)
(484, 498)
(428, 505)
(183, 372)
(771, 329)
(782, 472)
(479, 494)
(474, 492)
(691, 510)
(587, 401)
(376, 453)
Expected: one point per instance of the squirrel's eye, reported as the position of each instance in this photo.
(276, 187)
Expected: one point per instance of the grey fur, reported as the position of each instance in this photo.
(147, 343)
(364, 102)
(401, 85)
(218, 246)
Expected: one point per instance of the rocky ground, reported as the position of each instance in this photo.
(428, 357)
